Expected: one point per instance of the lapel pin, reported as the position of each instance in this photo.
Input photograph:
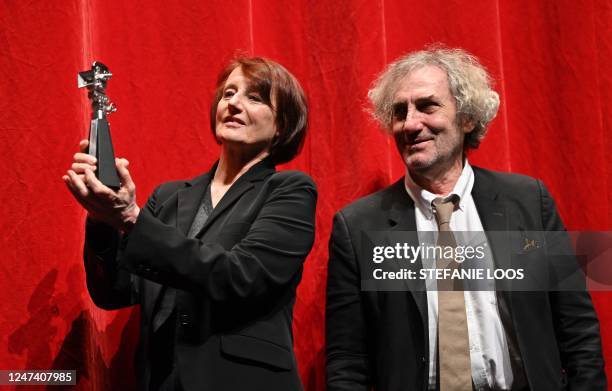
(530, 244)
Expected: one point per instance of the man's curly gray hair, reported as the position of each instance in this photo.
(469, 82)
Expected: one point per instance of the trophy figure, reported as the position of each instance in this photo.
(100, 144)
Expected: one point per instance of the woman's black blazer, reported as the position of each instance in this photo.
(234, 282)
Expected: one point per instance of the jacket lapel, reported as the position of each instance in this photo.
(492, 213)
(190, 198)
(188, 202)
(494, 217)
(402, 218)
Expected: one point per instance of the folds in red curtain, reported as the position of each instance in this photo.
(549, 60)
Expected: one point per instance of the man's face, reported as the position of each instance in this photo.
(424, 122)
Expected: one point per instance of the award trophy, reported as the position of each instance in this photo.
(100, 144)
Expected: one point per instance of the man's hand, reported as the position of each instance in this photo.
(117, 209)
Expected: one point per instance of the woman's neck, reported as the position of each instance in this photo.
(232, 165)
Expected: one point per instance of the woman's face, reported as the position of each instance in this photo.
(243, 119)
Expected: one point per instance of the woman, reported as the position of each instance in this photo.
(214, 262)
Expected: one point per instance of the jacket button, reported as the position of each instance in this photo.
(185, 320)
(423, 359)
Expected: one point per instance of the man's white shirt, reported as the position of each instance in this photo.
(490, 360)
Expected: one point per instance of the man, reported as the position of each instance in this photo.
(437, 104)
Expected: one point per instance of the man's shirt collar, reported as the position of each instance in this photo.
(423, 198)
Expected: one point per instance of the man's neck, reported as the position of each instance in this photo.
(439, 181)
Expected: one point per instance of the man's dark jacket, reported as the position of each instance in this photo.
(235, 281)
(379, 339)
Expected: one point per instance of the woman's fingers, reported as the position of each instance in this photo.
(76, 185)
(102, 203)
(84, 146)
(80, 168)
(81, 157)
(97, 187)
(124, 174)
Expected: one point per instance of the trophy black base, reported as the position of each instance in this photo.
(101, 147)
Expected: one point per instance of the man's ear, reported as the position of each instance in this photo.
(466, 125)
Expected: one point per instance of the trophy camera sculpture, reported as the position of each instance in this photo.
(100, 144)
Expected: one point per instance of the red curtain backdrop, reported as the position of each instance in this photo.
(550, 59)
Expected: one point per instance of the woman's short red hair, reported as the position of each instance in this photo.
(275, 84)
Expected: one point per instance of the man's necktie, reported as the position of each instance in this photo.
(453, 341)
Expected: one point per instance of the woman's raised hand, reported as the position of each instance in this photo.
(115, 208)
